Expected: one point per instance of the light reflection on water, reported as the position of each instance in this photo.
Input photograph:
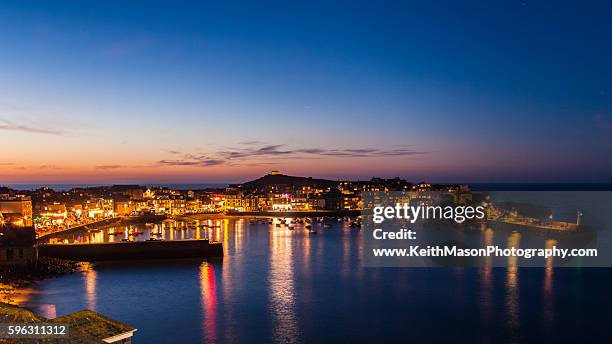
(209, 301)
(90, 287)
(280, 285)
(512, 290)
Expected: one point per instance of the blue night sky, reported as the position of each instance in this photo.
(135, 91)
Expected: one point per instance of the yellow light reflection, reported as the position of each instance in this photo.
(282, 289)
(486, 276)
(91, 279)
(548, 283)
(512, 285)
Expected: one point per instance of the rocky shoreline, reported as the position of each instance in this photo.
(14, 279)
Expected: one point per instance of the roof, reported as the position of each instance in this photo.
(84, 327)
(92, 325)
(14, 314)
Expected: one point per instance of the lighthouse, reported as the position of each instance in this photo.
(579, 219)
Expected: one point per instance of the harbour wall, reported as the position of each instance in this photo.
(137, 250)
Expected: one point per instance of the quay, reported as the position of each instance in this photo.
(315, 213)
(133, 250)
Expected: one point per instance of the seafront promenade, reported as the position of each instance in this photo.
(96, 224)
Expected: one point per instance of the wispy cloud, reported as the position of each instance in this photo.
(49, 167)
(190, 160)
(253, 155)
(108, 167)
(251, 142)
(8, 125)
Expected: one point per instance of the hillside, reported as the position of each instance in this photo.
(282, 179)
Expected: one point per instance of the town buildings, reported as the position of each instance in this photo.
(16, 210)
(275, 192)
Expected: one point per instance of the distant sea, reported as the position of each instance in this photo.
(541, 186)
(65, 187)
(473, 186)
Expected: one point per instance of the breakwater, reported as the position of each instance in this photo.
(137, 250)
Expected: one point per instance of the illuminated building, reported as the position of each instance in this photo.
(99, 208)
(54, 213)
(18, 209)
(124, 207)
(281, 204)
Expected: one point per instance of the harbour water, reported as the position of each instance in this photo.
(285, 286)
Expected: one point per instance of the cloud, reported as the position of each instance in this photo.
(108, 167)
(49, 167)
(253, 142)
(8, 125)
(192, 161)
(253, 156)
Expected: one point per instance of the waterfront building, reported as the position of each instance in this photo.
(351, 201)
(17, 246)
(317, 203)
(281, 204)
(234, 201)
(333, 200)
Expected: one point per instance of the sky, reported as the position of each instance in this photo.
(210, 92)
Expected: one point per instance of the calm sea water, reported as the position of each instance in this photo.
(286, 286)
